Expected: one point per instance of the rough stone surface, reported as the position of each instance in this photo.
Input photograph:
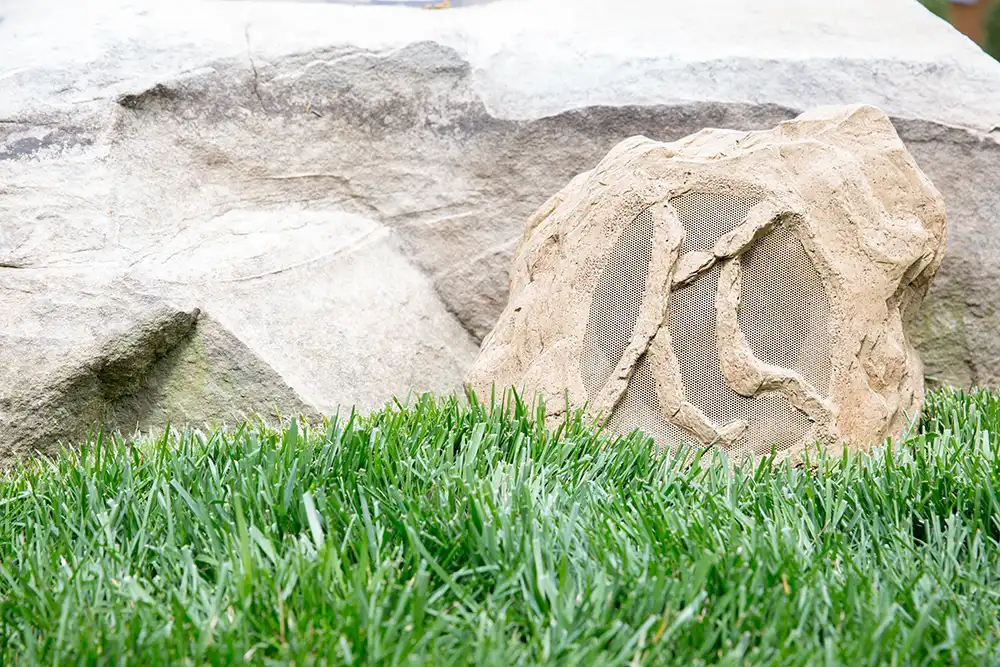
(341, 188)
(813, 244)
(80, 359)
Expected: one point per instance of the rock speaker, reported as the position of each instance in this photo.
(744, 290)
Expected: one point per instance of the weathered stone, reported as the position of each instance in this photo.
(825, 237)
(78, 360)
(225, 156)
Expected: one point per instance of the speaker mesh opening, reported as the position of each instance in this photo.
(615, 305)
(784, 314)
(640, 409)
(771, 418)
(708, 215)
(784, 310)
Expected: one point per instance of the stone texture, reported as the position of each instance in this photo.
(341, 188)
(846, 222)
(79, 359)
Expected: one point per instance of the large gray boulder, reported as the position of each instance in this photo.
(299, 207)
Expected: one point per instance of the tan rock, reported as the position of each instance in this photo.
(743, 289)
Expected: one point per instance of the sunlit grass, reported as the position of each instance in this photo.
(448, 535)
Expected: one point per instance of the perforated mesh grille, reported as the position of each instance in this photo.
(616, 302)
(784, 314)
(784, 310)
(692, 326)
(640, 409)
(708, 215)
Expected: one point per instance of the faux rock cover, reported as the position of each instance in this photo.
(739, 289)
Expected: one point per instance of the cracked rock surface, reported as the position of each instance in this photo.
(338, 190)
(813, 245)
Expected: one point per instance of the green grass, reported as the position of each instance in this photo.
(446, 535)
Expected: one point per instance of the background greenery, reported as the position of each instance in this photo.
(992, 45)
(939, 7)
(991, 41)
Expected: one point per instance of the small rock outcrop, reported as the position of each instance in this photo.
(85, 361)
(738, 289)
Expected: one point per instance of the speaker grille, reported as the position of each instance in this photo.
(708, 215)
(616, 302)
(640, 409)
(784, 310)
(692, 326)
(784, 314)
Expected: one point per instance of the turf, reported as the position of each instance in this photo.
(441, 534)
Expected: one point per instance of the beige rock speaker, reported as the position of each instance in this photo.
(746, 290)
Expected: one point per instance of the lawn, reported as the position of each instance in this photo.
(442, 535)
